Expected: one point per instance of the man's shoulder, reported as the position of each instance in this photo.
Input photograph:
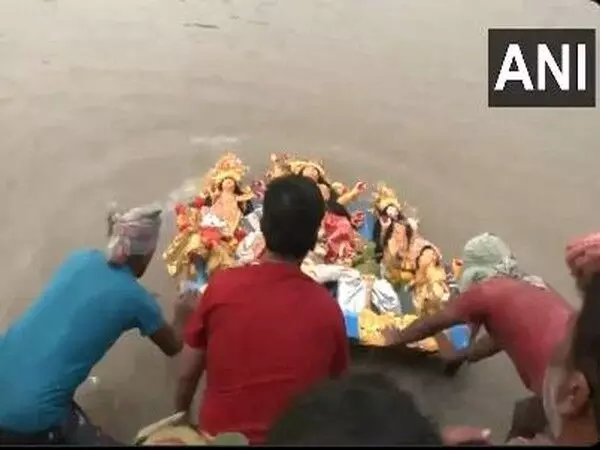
(259, 272)
(225, 281)
(514, 290)
(505, 285)
(78, 264)
(316, 295)
(89, 267)
(317, 290)
(85, 256)
(514, 285)
(486, 294)
(226, 276)
(270, 272)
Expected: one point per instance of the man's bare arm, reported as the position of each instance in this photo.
(169, 337)
(478, 349)
(424, 327)
(191, 369)
(482, 348)
(168, 340)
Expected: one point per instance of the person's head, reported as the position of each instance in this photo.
(338, 188)
(482, 256)
(293, 209)
(384, 227)
(393, 212)
(310, 171)
(571, 397)
(325, 192)
(359, 409)
(133, 236)
(231, 185)
(486, 256)
(228, 185)
(582, 256)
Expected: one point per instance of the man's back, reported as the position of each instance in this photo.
(526, 321)
(272, 333)
(49, 350)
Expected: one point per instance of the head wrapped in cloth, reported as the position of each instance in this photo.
(582, 256)
(133, 233)
(485, 256)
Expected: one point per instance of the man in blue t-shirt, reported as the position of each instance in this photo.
(91, 300)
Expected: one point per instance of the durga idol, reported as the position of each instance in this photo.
(339, 235)
(210, 227)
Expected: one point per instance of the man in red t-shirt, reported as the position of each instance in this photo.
(522, 316)
(264, 333)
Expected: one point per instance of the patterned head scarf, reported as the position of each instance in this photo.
(486, 256)
(582, 256)
(133, 232)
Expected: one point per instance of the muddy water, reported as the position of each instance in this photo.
(108, 100)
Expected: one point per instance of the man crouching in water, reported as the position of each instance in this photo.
(90, 301)
(522, 316)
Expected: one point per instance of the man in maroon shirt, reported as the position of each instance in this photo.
(264, 333)
(521, 315)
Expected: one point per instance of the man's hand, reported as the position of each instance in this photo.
(390, 335)
(463, 435)
(453, 362)
(182, 419)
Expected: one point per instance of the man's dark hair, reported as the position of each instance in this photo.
(585, 344)
(360, 409)
(293, 209)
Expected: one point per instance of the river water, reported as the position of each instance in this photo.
(104, 100)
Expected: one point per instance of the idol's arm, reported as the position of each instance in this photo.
(348, 197)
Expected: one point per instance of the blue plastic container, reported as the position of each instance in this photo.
(459, 336)
(352, 328)
(366, 229)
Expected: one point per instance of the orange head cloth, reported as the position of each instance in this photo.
(583, 256)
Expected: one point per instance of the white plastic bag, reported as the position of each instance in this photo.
(353, 292)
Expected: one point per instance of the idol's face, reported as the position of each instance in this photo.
(392, 212)
(311, 172)
(228, 185)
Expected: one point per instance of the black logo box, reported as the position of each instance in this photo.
(514, 94)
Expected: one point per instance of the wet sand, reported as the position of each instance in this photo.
(108, 100)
